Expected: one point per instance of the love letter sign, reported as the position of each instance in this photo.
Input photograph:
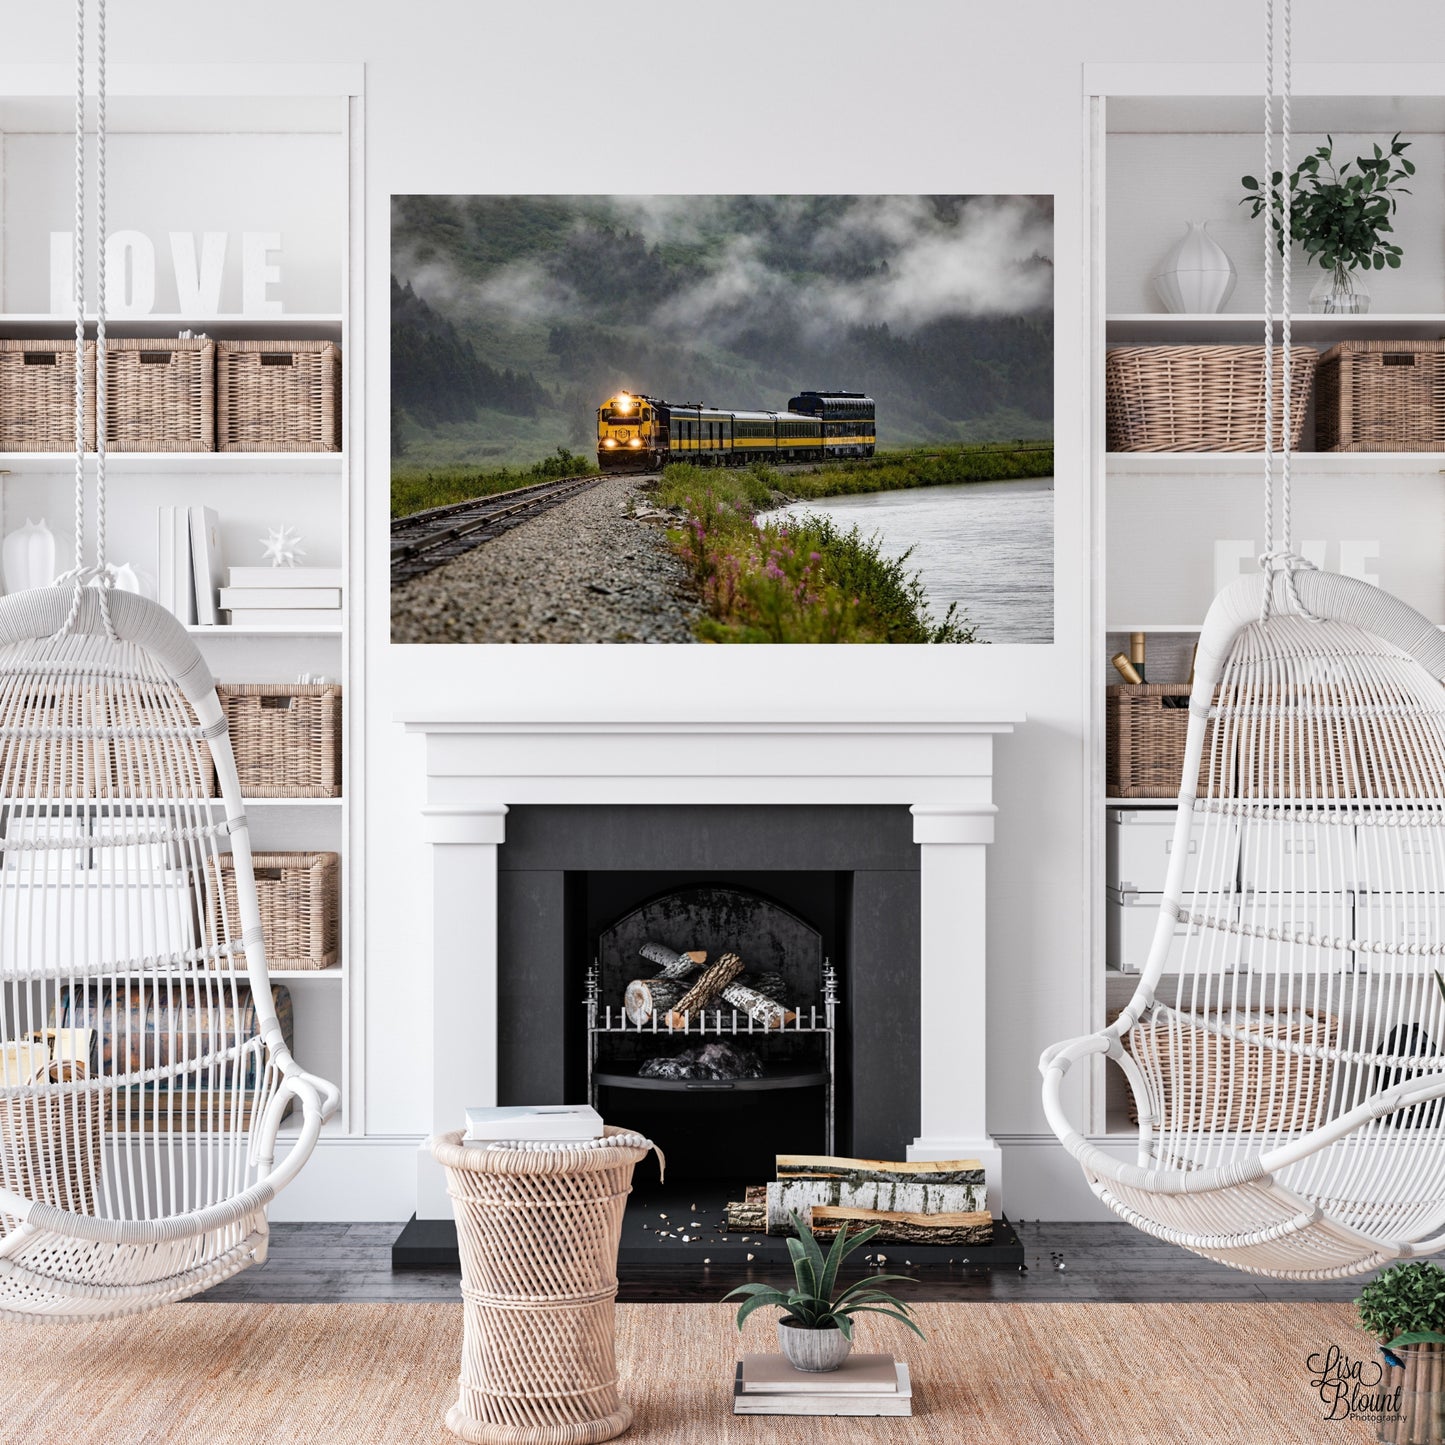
(130, 272)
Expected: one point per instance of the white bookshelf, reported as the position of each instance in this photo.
(230, 149)
(1158, 160)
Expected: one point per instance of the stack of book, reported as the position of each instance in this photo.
(282, 596)
(861, 1385)
(553, 1123)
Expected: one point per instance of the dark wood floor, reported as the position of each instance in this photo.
(1095, 1261)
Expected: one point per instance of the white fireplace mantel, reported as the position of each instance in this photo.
(478, 766)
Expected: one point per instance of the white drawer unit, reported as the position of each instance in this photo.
(1130, 918)
(1411, 919)
(1293, 855)
(1406, 859)
(1330, 919)
(52, 925)
(1140, 842)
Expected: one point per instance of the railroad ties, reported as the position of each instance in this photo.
(428, 539)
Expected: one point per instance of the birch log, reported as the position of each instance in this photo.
(645, 997)
(772, 984)
(758, 1006)
(706, 990)
(785, 1195)
(750, 1214)
(670, 963)
(899, 1171)
(895, 1227)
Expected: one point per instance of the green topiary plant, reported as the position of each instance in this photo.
(1405, 1305)
(812, 1304)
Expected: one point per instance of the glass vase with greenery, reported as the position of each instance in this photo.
(1341, 217)
(815, 1304)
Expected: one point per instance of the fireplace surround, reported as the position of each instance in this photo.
(933, 775)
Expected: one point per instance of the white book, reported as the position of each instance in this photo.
(166, 557)
(534, 1121)
(318, 597)
(185, 577)
(206, 563)
(286, 577)
(284, 616)
(897, 1401)
(774, 1374)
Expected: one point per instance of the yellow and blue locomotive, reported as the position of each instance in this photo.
(637, 430)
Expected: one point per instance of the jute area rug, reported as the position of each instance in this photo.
(995, 1374)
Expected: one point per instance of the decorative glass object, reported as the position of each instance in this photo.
(1340, 292)
(1196, 277)
(28, 555)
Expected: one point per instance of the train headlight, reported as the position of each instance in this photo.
(635, 442)
(610, 442)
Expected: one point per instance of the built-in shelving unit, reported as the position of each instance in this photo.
(233, 150)
(1170, 528)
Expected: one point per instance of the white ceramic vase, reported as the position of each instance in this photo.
(1197, 276)
(28, 557)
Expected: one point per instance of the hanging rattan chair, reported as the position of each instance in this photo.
(1285, 1047)
(144, 1072)
(136, 1168)
(1286, 1054)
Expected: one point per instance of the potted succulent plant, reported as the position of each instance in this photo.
(1340, 217)
(816, 1330)
(1404, 1308)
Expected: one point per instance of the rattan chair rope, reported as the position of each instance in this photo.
(1286, 1055)
(137, 1166)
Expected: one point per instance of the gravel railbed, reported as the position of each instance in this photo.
(586, 571)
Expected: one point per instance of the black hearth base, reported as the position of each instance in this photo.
(662, 1231)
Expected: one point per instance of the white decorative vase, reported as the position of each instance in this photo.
(1197, 275)
(28, 556)
(816, 1351)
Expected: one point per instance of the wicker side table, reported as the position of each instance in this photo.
(538, 1232)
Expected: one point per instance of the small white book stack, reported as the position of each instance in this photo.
(552, 1123)
(861, 1385)
(282, 596)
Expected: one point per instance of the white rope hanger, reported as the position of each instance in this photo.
(1285, 1048)
(137, 1166)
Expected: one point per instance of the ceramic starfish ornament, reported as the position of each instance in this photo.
(283, 546)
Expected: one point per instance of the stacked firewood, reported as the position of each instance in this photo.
(923, 1202)
(673, 997)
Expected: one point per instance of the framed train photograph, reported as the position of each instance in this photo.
(681, 419)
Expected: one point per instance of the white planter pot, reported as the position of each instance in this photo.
(816, 1351)
(1196, 277)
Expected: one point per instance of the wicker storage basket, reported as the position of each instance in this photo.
(278, 396)
(286, 738)
(50, 1142)
(160, 395)
(300, 899)
(37, 396)
(1217, 1083)
(1146, 727)
(1381, 396)
(1200, 398)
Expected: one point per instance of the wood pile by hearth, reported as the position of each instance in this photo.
(913, 1202)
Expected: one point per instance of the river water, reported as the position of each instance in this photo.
(989, 546)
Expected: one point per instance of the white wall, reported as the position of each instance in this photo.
(910, 97)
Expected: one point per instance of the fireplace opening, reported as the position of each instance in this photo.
(713, 1020)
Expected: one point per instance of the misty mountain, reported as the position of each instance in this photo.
(940, 307)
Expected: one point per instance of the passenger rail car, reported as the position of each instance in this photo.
(638, 430)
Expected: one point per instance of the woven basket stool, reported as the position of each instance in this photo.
(538, 1231)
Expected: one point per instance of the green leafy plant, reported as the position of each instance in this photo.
(1341, 217)
(812, 1303)
(1405, 1305)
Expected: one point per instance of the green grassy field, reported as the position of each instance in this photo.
(414, 489)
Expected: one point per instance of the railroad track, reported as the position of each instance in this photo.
(426, 540)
